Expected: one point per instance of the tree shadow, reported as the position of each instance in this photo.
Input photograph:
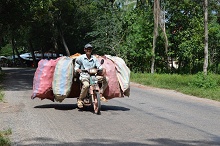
(99, 142)
(18, 79)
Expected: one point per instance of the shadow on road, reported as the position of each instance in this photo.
(98, 142)
(18, 79)
(58, 106)
(114, 108)
(74, 106)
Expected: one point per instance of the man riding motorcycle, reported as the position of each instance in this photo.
(87, 61)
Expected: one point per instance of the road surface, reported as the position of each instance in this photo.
(149, 117)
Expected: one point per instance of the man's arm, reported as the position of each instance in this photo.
(77, 65)
(102, 71)
(97, 64)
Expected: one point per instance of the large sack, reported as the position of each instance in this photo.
(43, 77)
(63, 76)
(75, 88)
(74, 56)
(113, 89)
(123, 74)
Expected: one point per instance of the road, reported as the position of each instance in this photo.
(149, 117)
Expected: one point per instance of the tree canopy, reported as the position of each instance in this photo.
(122, 28)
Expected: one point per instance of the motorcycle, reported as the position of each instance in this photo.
(93, 96)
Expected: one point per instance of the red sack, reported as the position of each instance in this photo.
(113, 89)
(43, 77)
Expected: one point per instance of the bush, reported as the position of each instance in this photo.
(204, 81)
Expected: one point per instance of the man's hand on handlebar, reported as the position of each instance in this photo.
(81, 70)
(78, 70)
(92, 71)
(102, 72)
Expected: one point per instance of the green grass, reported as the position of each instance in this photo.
(1, 79)
(4, 140)
(197, 85)
(1, 96)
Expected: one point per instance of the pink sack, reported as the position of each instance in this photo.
(113, 89)
(123, 74)
(43, 77)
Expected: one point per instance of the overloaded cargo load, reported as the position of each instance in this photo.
(118, 76)
(123, 74)
(75, 88)
(43, 77)
(113, 89)
(74, 56)
(63, 76)
(58, 81)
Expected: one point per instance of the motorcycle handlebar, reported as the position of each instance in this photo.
(84, 70)
(91, 71)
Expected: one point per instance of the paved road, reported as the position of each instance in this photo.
(149, 117)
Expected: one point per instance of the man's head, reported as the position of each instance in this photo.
(88, 49)
(88, 46)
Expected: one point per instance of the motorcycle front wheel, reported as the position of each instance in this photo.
(96, 103)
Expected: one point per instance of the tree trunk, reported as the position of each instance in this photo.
(205, 66)
(16, 50)
(32, 53)
(13, 55)
(56, 47)
(155, 35)
(163, 27)
(64, 42)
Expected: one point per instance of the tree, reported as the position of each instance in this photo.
(159, 21)
(206, 37)
(213, 36)
(186, 34)
(155, 34)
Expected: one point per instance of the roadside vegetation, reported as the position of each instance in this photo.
(1, 96)
(4, 140)
(1, 79)
(197, 85)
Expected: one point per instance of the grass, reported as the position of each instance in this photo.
(1, 79)
(197, 85)
(4, 140)
(1, 96)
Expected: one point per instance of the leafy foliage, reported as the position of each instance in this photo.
(186, 30)
(205, 82)
(107, 29)
(136, 46)
(121, 28)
